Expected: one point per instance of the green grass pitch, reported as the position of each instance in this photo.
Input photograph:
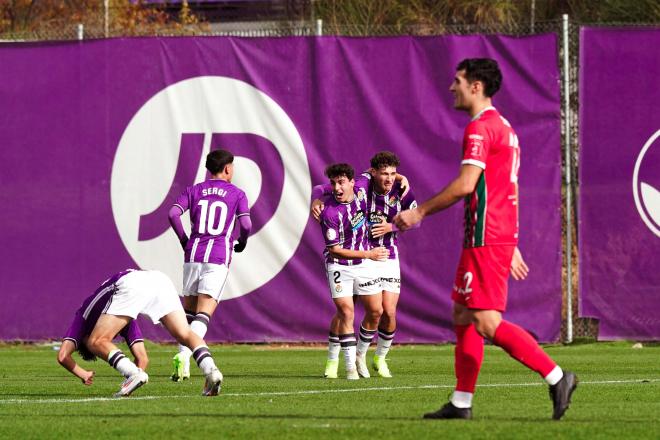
(278, 392)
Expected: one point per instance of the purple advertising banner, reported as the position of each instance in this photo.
(619, 216)
(99, 137)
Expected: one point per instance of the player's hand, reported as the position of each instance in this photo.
(87, 378)
(380, 229)
(405, 186)
(317, 209)
(378, 254)
(407, 219)
(240, 246)
(519, 269)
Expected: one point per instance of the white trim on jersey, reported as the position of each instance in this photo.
(180, 207)
(354, 238)
(230, 232)
(474, 162)
(209, 248)
(193, 251)
(478, 115)
(98, 296)
(242, 215)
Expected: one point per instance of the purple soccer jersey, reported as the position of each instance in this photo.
(92, 308)
(214, 206)
(385, 207)
(345, 224)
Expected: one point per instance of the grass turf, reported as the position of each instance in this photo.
(275, 392)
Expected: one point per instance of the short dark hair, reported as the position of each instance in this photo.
(384, 159)
(485, 70)
(216, 160)
(340, 169)
(84, 352)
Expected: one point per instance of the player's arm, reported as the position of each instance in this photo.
(244, 224)
(378, 253)
(140, 354)
(457, 189)
(174, 215)
(318, 192)
(66, 360)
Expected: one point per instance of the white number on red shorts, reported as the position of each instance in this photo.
(468, 280)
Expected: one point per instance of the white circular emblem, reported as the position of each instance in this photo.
(647, 197)
(148, 154)
(331, 234)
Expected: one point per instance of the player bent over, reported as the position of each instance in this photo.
(215, 206)
(348, 263)
(488, 183)
(111, 310)
(388, 193)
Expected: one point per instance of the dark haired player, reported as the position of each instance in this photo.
(348, 256)
(387, 194)
(488, 182)
(214, 206)
(112, 309)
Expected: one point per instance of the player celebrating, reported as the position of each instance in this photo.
(214, 205)
(387, 194)
(111, 310)
(347, 255)
(488, 182)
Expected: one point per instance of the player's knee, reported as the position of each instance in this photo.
(95, 343)
(389, 314)
(485, 328)
(374, 314)
(345, 312)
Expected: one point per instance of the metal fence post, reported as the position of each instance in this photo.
(81, 31)
(568, 172)
(319, 27)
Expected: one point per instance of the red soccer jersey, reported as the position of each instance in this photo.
(491, 211)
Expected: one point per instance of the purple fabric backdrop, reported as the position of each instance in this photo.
(619, 221)
(94, 149)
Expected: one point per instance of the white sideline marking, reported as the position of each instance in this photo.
(305, 392)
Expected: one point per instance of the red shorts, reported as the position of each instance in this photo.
(481, 277)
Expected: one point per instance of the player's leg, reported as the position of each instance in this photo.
(386, 332)
(373, 309)
(208, 281)
(100, 343)
(521, 346)
(176, 324)
(332, 363)
(391, 285)
(345, 313)
(181, 361)
(341, 281)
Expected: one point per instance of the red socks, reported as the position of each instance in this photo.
(468, 356)
(522, 347)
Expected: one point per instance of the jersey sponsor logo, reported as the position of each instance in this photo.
(357, 221)
(195, 116)
(646, 183)
(331, 234)
(376, 217)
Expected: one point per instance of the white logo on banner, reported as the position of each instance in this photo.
(647, 197)
(147, 157)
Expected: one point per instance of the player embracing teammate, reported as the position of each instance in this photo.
(386, 195)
